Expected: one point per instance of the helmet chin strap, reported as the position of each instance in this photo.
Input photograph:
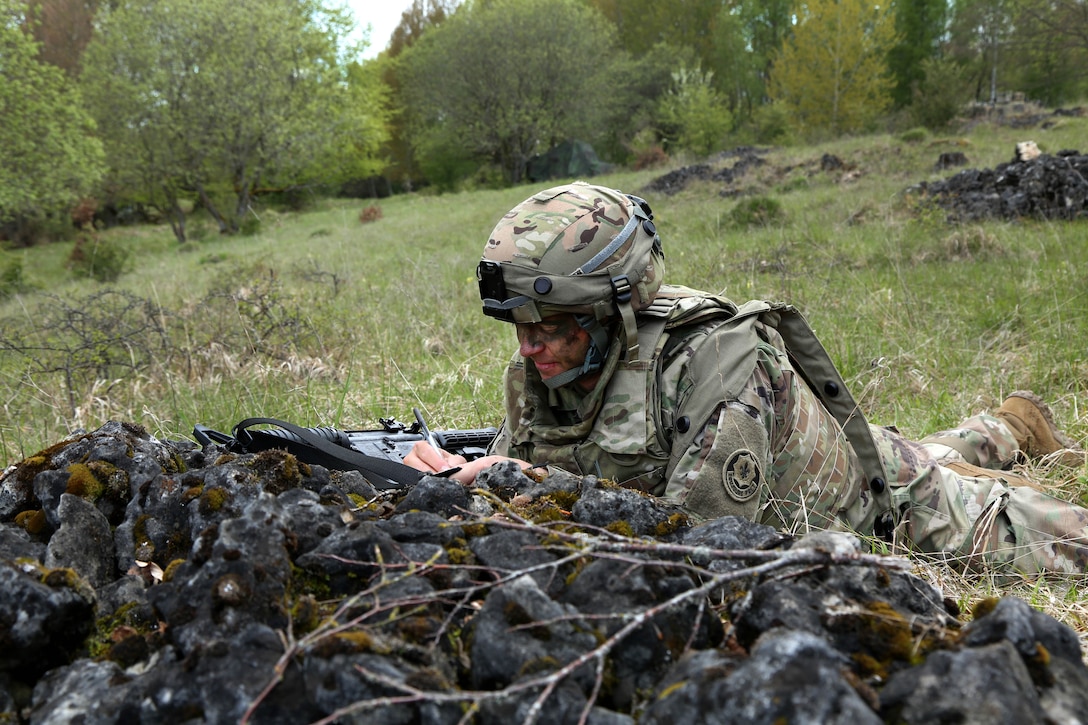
(595, 355)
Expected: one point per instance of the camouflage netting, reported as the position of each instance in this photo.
(151, 581)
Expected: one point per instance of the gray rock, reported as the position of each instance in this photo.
(83, 541)
(276, 591)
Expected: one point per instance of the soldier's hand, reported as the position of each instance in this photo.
(425, 457)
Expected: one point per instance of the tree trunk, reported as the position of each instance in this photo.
(224, 225)
(176, 215)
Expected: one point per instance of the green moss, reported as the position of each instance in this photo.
(473, 530)
(213, 499)
(279, 470)
(66, 578)
(672, 524)
(171, 568)
(623, 528)
(354, 641)
(139, 532)
(305, 614)
(983, 607)
(576, 570)
(83, 483)
(563, 499)
(31, 521)
(458, 551)
(539, 665)
(542, 511)
(304, 582)
(884, 637)
(192, 493)
(31, 467)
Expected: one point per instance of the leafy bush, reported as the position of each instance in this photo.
(250, 225)
(12, 281)
(758, 211)
(773, 124)
(914, 135)
(940, 96)
(98, 259)
(693, 115)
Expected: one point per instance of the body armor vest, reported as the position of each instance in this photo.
(623, 434)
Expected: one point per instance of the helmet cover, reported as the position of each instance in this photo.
(576, 248)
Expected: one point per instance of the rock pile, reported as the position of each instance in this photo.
(1046, 187)
(153, 581)
(675, 181)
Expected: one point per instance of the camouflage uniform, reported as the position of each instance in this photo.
(754, 440)
(698, 402)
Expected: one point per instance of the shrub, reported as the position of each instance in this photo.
(12, 281)
(370, 214)
(773, 124)
(914, 135)
(695, 115)
(251, 224)
(98, 259)
(650, 158)
(758, 211)
(83, 213)
(939, 97)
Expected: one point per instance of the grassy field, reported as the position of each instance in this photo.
(323, 320)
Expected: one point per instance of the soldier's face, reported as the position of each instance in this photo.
(555, 344)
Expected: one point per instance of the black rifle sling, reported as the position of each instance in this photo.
(312, 448)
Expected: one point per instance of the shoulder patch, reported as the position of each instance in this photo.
(741, 475)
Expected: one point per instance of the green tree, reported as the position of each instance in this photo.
(509, 78)
(747, 35)
(980, 37)
(642, 24)
(919, 25)
(217, 100)
(49, 156)
(832, 73)
(1051, 49)
(694, 115)
(940, 95)
(401, 166)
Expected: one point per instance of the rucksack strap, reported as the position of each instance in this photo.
(309, 447)
(815, 366)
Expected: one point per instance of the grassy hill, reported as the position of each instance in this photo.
(324, 320)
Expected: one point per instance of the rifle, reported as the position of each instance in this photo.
(378, 454)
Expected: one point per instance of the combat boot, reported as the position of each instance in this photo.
(1032, 423)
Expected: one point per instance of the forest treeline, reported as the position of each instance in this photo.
(115, 109)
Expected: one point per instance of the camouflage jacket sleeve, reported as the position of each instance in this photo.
(724, 469)
(771, 453)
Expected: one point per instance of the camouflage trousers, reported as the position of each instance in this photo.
(989, 521)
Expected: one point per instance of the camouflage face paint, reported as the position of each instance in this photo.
(555, 345)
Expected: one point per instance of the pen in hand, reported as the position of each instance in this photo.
(429, 437)
(427, 434)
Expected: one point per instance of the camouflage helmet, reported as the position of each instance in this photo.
(578, 248)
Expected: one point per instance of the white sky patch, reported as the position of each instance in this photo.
(383, 17)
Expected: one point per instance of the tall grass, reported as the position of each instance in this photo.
(930, 321)
(323, 320)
